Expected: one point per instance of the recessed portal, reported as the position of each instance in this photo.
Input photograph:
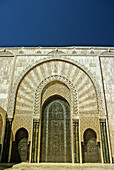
(20, 146)
(91, 148)
(55, 131)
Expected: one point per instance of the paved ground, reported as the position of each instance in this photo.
(54, 166)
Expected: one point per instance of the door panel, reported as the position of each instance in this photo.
(56, 132)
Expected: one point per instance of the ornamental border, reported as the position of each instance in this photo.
(46, 81)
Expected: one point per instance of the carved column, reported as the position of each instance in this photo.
(104, 141)
(113, 160)
(6, 146)
(35, 140)
(76, 141)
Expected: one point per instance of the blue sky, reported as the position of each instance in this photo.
(56, 23)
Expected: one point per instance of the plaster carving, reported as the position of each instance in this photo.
(74, 103)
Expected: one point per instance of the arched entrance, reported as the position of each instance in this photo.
(55, 131)
(91, 148)
(20, 146)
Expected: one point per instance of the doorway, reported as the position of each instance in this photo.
(91, 148)
(20, 150)
(56, 131)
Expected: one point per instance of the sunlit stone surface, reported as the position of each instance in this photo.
(56, 106)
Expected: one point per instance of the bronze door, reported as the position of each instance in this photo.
(56, 132)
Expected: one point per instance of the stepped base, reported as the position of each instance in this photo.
(56, 166)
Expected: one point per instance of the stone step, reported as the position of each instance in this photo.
(6, 165)
(60, 166)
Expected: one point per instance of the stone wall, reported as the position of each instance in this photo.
(85, 75)
(6, 65)
(107, 64)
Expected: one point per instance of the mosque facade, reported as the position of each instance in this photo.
(57, 104)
